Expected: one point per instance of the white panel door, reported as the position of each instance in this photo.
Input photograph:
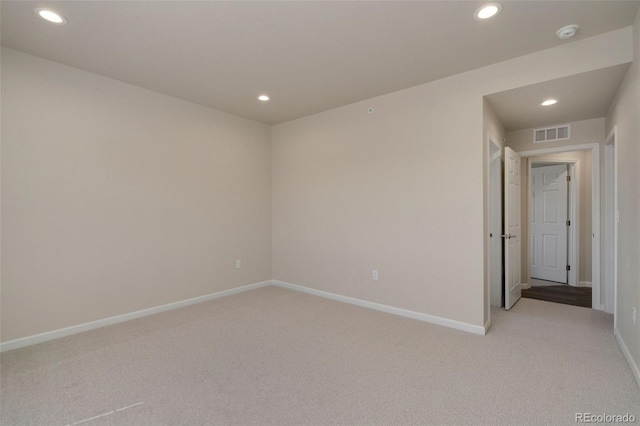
(495, 221)
(548, 223)
(512, 228)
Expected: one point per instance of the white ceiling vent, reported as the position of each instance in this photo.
(550, 134)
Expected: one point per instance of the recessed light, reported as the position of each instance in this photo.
(549, 102)
(263, 98)
(51, 16)
(567, 32)
(487, 11)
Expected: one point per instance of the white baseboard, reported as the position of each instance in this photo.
(584, 284)
(55, 334)
(525, 286)
(75, 329)
(627, 355)
(458, 325)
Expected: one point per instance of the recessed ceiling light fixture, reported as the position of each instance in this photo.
(263, 98)
(51, 16)
(549, 102)
(487, 11)
(567, 32)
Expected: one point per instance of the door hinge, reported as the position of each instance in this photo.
(568, 223)
(568, 267)
(568, 178)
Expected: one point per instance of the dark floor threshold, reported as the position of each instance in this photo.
(575, 296)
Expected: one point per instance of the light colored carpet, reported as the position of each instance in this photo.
(278, 357)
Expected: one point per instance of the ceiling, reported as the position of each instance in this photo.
(309, 56)
(580, 97)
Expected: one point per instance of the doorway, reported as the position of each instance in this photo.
(556, 233)
(579, 284)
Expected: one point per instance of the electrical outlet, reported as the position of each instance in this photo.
(374, 275)
(238, 264)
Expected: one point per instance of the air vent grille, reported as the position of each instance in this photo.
(550, 134)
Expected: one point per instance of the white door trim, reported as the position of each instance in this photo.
(574, 202)
(495, 215)
(595, 209)
(610, 272)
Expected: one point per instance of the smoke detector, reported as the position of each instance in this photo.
(567, 32)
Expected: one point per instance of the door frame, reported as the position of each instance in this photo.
(610, 209)
(596, 302)
(494, 152)
(573, 255)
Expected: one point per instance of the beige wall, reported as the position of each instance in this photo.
(491, 125)
(624, 115)
(402, 190)
(116, 199)
(582, 132)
